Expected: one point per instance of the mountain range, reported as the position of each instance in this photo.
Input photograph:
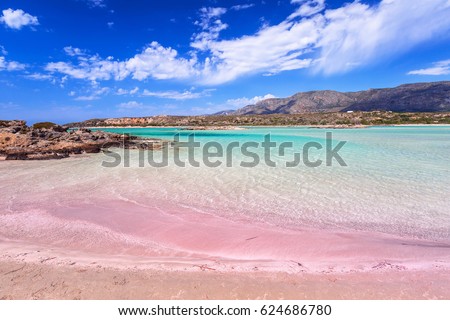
(416, 97)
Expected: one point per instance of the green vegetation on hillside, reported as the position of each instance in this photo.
(339, 119)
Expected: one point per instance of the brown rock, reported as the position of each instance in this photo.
(45, 141)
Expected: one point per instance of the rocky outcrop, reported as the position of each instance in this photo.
(20, 142)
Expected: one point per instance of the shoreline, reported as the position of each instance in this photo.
(53, 277)
(279, 126)
(187, 236)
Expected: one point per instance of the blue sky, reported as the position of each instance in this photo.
(72, 60)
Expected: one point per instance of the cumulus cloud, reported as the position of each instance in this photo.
(177, 95)
(155, 62)
(16, 19)
(91, 68)
(73, 52)
(325, 41)
(159, 62)
(121, 91)
(14, 65)
(207, 14)
(10, 65)
(244, 101)
(439, 68)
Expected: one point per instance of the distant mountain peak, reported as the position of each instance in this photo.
(412, 97)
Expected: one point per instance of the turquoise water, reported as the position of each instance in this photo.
(420, 153)
(396, 179)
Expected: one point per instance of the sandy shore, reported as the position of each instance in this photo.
(42, 273)
(43, 281)
(200, 256)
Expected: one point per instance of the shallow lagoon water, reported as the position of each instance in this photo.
(395, 181)
(393, 190)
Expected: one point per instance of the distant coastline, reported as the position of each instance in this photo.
(46, 140)
(341, 119)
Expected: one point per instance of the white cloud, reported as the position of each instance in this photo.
(2, 63)
(130, 105)
(271, 50)
(16, 19)
(208, 14)
(110, 24)
(94, 95)
(240, 7)
(155, 61)
(439, 68)
(242, 102)
(87, 98)
(92, 68)
(3, 50)
(358, 34)
(158, 62)
(14, 65)
(10, 65)
(134, 91)
(177, 95)
(326, 41)
(211, 27)
(73, 52)
(121, 91)
(307, 8)
(230, 104)
(39, 76)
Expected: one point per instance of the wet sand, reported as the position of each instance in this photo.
(39, 272)
(53, 279)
